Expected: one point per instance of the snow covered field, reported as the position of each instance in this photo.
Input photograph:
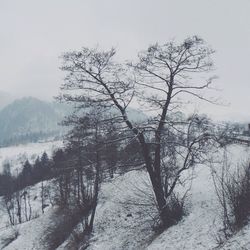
(16, 155)
(198, 230)
(29, 232)
(124, 217)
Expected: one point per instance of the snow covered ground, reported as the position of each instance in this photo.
(198, 230)
(125, 213)
(16, 155)
(29, 234)
(26, 230)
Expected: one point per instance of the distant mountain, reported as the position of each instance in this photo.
(29, 120)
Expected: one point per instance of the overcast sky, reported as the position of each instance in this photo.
(33, 34)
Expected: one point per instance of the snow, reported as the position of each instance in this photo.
(114, 230)
(125, 216)
(197, 230)
(17, 155)
(200, 228)
(30, 234)
(33, 234)
(27, 230)
(120, 223)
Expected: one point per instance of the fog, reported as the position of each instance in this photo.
(35, 33)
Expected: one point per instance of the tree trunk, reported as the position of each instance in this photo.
(155, 179)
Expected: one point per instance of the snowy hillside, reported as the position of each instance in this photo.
(124, 218)
(197, 230)
(17, 155)
(29, 232)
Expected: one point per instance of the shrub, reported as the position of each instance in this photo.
(238, 196)
(174, 210)
(233, 192)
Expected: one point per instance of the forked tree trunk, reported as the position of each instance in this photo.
(155, 178)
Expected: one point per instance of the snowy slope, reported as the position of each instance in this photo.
(28, 231)
(197, 230)
(124, 217)
(30, 234)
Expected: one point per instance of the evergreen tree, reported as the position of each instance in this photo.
(26, 174)
(45, 165)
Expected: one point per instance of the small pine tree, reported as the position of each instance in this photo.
(45, 165)
(26, 174)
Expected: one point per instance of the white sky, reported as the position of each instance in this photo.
(33, 34)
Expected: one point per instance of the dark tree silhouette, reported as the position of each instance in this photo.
(158, 81)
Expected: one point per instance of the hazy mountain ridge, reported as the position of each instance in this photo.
(30, 119)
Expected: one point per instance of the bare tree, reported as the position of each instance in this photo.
(27, 204)
(10, 206)
(161, 75)
(42, 197)
(86, 139)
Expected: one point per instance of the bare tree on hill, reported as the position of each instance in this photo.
(158, 80)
